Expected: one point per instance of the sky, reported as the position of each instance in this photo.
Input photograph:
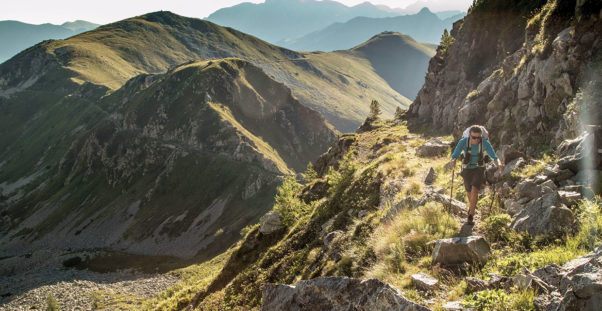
(106, 11)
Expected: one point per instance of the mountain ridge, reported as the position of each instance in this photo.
(277, 16)
(17, 36)
(116, 52)
(423, 26)
(161, 137)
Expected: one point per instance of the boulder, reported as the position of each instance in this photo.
(549, 274)
(457, 207)
(540, 179)
(498, 281)
(573, 188)
(424, 281)
(512, 206)
(457, 251)
(511, 154)
(430, 176)
(270, 222)
(564, 175)
(577, 285)
(548, 187)
(336, 294)
(572, 153)
(475, 285)
(569, 198)
(453, 306)
(556, 173)
(528, 189)
(513, 165)
(433, 148)
(545, 215)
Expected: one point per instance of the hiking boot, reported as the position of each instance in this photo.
(469, 220)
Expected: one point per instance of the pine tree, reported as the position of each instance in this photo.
(446, 41)
(398, 113)
(374, 109)
(310, 173)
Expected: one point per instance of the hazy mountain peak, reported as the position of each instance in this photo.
(425, 11)
(277, 20)
(79, 25)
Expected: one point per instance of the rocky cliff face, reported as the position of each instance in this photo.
(179, 163)
(517, 72)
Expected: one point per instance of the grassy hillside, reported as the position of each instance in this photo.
(338, 85)
(359, 202)
(174, 164)
(399, 59)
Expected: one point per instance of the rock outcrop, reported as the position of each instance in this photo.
(270, 222)
(433, 148)
(577, 285)
(336, 294)
(515, 75)
(458, 251)
(424, 281)
(545, 215)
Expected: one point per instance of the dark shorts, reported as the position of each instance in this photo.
(473, 177)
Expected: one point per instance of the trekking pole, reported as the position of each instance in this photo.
(451, 190)
(492, 199)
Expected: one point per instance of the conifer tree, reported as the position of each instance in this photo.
(398, 113)
(374, 109)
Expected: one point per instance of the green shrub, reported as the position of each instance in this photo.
(51, 303)
(414, 189)
(496, 227)
(288, 203)
(396, 256)
(589, 214)
(345, 266)
(498, 300)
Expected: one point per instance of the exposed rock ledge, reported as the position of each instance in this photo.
(336, 294)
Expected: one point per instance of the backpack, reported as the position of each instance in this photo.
(467, 151)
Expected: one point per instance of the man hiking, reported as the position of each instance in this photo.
(473, 144)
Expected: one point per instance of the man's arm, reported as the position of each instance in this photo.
(457, 151)
(459, 148)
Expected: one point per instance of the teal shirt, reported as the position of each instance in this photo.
(474, 151)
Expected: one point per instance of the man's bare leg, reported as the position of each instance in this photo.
(473, 197)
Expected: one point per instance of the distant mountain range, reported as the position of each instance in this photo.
(17, 36)
(277, 20)
(423, 26)
(167, 135)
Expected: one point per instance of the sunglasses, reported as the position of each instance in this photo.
(476, 137)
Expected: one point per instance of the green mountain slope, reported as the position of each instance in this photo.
(423, 26)
(17, 36)
(173, 164)
(404, 73)
(338, 85)
(276, 20)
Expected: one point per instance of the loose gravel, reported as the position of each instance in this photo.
(29, 286)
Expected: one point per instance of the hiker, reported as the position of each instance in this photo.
(474, 144)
